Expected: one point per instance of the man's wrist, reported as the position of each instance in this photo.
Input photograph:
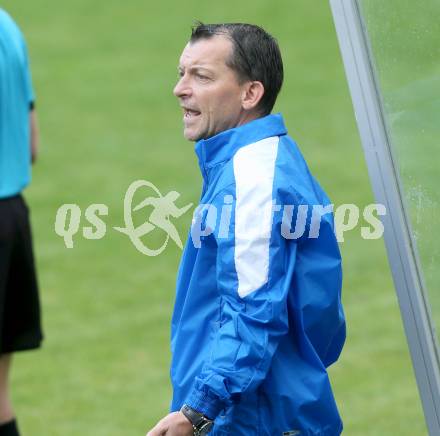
(202, 425)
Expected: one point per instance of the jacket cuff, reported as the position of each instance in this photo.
(205, 402)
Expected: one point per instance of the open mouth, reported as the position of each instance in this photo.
(189, 114)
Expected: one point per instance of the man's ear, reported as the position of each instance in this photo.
(252, 94)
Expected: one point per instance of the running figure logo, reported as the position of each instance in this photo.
(163, 208)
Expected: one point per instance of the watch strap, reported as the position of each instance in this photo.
(201, 424)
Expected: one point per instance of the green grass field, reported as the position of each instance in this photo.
(104, 73)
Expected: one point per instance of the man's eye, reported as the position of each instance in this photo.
(202, 77)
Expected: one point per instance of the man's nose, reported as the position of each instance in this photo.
(182, 88)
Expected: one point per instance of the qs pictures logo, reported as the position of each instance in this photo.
(150, 216)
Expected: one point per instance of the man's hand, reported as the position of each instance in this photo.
(174, 424)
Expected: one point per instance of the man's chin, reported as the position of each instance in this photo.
(191, 135)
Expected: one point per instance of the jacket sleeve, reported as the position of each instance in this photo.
(252, 261)
(317, 283)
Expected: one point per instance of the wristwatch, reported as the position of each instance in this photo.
(201, 424)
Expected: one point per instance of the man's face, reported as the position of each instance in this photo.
(208, 90)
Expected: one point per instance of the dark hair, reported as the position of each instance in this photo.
(255, 56)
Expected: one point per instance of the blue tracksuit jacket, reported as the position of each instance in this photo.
(258, 314)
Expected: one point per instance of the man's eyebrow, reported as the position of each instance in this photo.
(195, 68)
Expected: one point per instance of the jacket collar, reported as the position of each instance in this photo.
(224, 145)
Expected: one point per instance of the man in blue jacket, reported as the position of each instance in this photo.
(258, 315)
(20, 327)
